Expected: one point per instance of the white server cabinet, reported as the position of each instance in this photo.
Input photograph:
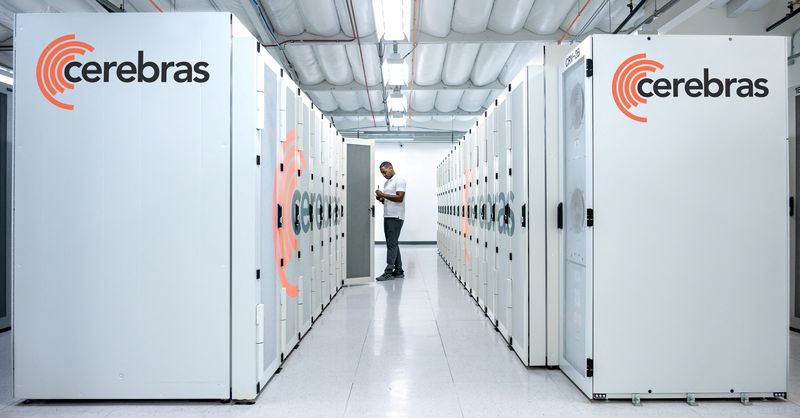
(300, 220)
(314, 235)
(338, 230)
(462, 196)
(98, 208)
(503, 218)
(533, 197)
(325, 243)
(290, 161)
(674, 183)
(483, 233)
(464, 200)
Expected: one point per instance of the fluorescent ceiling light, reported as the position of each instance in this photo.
(392, 19)
(396, 102)
(397, 119)
(395, 70)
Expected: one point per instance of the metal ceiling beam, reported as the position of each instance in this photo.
(487, 37)
(354, 86)
(341, 113)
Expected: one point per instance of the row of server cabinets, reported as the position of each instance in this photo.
(185, 251)
(496, 200)
(610, 216)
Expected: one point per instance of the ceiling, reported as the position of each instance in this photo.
(466, 52)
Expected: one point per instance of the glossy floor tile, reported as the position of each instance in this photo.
(416, 347)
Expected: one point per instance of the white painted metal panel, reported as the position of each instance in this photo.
(722, 258)
(108, 256)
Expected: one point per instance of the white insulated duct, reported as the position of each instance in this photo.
(319, 16)
(284, 16)
(522, 55)
(472, 100)
(349, 101)
(489, 63)
(365, 19)
(371, 63)
(448, 100)
(471, 16)
(458, 62)
(547, 15)
(334, 63)
(428, 63)
(323, 100)
(509, 16)
(305, 63)
(423, 100)
(375, 96)
(435, 17)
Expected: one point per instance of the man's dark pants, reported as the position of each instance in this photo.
(391, 228)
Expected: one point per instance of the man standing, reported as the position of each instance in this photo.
(394, 208)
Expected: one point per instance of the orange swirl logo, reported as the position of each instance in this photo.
(625, 81)
(50, 67)
(285, 184)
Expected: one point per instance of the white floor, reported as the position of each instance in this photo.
(414, 347)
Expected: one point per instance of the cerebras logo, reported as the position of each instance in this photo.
(631, 86)
(57, 71)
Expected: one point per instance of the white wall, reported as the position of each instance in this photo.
(417, 164)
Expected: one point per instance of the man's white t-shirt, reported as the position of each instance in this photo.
(394, 209)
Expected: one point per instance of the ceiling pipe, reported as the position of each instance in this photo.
(575, 19)
(111, 7)
(354, 23)
(634, 10)
(791, 14)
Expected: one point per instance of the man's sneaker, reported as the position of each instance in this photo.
(383, 277)
(398, 275)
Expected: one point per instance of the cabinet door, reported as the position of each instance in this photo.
(576, 254)
(360, 216)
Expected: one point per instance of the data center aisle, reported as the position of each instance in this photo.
(415, 347)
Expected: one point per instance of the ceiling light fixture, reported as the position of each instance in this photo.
(397, 119)
(395, 70)
(396, 101)
(392, 19)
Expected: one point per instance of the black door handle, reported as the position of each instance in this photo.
(280, 216)
(561, 216)
(372, 210)
(523, 217)
(297, 215)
